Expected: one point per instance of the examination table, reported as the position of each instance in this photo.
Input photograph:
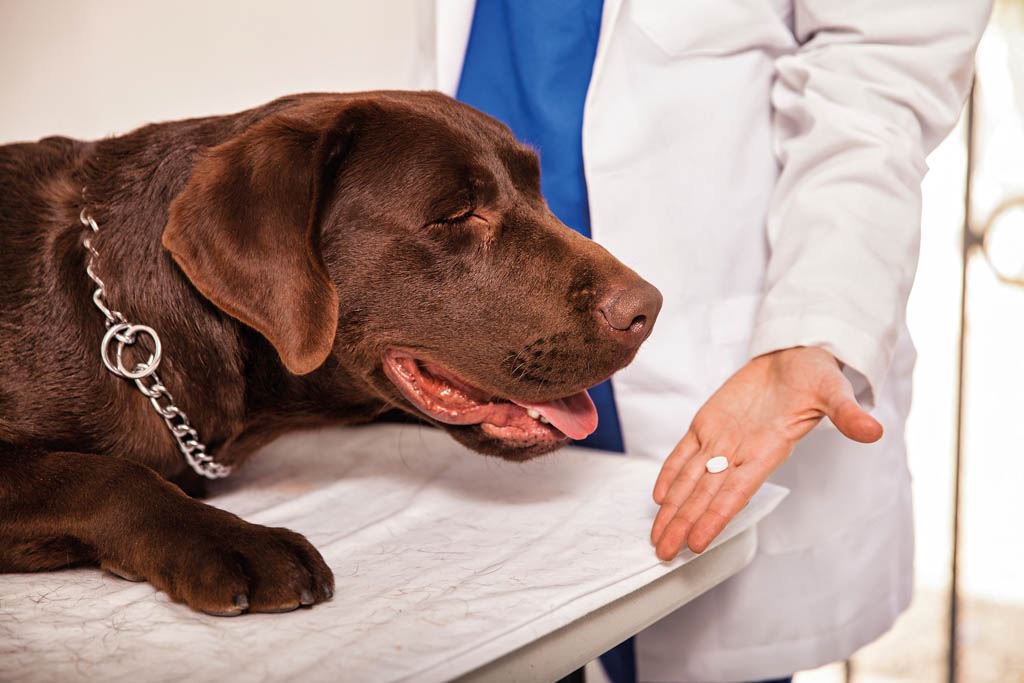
(448, 564)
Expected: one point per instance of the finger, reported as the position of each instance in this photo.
(684, 450)
(675, 535)
(743, 482)
(849, 418)
(679, 490)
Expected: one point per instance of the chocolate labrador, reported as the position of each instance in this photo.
(321, 259)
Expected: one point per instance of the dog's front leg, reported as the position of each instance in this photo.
(61, 509)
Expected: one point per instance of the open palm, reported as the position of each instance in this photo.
(755, 419)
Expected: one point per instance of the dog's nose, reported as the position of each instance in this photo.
(630, 311)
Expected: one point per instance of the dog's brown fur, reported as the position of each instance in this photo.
(278, 252)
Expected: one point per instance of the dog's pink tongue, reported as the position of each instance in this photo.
(575, 416)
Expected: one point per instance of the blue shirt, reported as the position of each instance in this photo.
(528, 63)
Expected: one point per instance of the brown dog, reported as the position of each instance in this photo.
(323, 258)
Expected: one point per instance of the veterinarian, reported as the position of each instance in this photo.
(760, 161)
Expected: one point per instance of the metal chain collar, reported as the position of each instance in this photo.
(122, 334)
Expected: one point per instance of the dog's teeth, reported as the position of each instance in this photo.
(534, 414)
(544, 420)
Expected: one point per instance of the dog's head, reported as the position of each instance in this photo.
(405, 234)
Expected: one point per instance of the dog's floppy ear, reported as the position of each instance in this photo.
(245, 229)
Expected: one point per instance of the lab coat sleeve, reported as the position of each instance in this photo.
(874, 86)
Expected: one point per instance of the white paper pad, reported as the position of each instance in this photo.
(444, 561)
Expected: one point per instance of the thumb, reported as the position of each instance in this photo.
(849, 418)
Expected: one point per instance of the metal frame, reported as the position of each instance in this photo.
(969, 242)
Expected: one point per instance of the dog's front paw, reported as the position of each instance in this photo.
(226, 566)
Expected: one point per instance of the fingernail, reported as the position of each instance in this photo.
(306, 597)
(242, 602)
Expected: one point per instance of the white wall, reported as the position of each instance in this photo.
(90, 68)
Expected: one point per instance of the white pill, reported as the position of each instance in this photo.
(717, 464)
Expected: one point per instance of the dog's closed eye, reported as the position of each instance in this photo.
(460, 218)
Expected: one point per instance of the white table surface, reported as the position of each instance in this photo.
(562, 651)
(447, 564)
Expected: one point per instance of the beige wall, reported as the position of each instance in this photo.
(89, 68)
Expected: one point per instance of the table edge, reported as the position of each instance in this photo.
(570, 647)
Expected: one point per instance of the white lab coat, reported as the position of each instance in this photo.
(760, 162)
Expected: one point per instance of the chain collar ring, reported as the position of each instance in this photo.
(124, 333)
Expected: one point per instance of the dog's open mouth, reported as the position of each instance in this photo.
(443, 396)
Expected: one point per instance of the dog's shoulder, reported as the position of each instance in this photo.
(23, 163)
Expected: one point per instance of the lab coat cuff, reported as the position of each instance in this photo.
(865, 361)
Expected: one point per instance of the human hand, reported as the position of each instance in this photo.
(755, 419)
